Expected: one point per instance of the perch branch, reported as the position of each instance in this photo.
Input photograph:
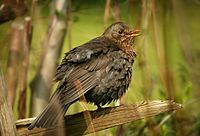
(78, 124)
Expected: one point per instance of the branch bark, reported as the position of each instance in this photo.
(79, 124)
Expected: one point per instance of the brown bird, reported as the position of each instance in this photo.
(100, 70)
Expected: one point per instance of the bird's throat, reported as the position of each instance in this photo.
(129, 51)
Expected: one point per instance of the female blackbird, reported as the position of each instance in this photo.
(100, 70)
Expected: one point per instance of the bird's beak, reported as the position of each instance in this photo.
(134, 33)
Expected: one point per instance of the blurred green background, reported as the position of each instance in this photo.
(168, 56)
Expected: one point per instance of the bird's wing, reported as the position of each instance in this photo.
(80, 69)
(107, 73)
(81, 79)
(83, 54)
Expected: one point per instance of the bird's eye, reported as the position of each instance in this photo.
(120, 32)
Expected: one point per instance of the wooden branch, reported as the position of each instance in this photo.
(92, 121)
(7, 125)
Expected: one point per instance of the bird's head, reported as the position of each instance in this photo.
(119, 33)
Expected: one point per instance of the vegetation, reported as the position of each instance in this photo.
(167, 64)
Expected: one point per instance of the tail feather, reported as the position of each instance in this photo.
(52, 115)
(58, 119)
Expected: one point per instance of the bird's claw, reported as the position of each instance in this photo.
(99, 108)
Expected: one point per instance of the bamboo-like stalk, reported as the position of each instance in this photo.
(169, 79)
(116, 10)
(162, 45)
(146, 78)
(13, 62)
(7, 125)
(42, 83)
(69, 23)
(27, 36)
(106, 12)
(142, 48)
(161, 40)
(190, 53)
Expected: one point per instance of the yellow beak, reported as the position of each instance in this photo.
(134, 33)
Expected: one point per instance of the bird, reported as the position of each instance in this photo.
(99, 70)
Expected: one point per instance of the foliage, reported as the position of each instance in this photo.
(149, 77)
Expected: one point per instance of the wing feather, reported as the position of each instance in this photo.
(82, 79)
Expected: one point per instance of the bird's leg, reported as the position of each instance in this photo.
(99, 108)
(145, 102)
